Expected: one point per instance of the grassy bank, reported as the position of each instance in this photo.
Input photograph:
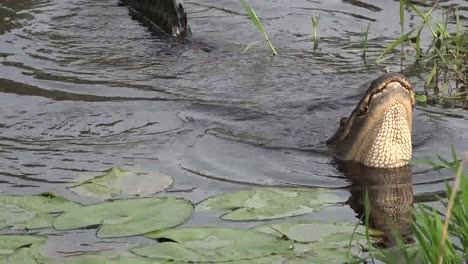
(443, 62)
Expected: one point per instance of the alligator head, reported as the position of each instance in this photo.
(378, 131)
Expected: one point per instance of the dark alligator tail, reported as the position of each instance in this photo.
(162, 16)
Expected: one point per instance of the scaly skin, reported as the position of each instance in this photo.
(378, 131)
(161, 15)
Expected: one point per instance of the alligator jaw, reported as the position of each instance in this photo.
(378, 132)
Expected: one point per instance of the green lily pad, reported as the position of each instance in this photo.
(43, 203)
(306, 231)
(269, 203)
(315, 258)
(103, 259)
(10, 243)
(208, 244)
(130, 217)
(15, 217)
(23, 256)
(316, 241)
(116, 181)
(31, 212)
(22, 249)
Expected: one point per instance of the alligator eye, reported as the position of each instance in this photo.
(363, 111)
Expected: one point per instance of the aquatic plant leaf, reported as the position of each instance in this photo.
(207, 244)
(103, 259)
(23, 256)
(325, 256)
(31, 212)
(129, 217)
(317, 241)
(117, 181)
(28, 220)
(43, 203)
(10, 243)
(420, 98)
(307, 231)
(22, 249)
(269, 203)
(321, 252)
(11, 215)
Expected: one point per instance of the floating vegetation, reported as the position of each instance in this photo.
(208, 244)
(117, 182)
(103, 259)
(269, 203)
(32, 212)
(129, 217)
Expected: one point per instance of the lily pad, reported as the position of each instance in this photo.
(317, 242)
(31, 212)
(22, 249)
(43, 203)
(208, 244)
(307, 231)
(315, 258)
(103, 259)
(15, 217)
(130, 217)
(116, 181)
(269, 203)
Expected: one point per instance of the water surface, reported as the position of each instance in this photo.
(84, 88)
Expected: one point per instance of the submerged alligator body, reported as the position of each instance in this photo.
(162, 16)
(378, 131)
(376, 134)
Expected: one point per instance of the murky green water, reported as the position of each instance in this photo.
(84, 88)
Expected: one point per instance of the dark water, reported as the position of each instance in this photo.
(84, 88)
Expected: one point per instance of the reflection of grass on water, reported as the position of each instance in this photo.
(441, 237)
(445, 60)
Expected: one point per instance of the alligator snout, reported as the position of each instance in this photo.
(378, 131)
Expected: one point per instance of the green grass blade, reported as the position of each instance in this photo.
(431, 75)
(253, 16)
(415, 9)
(456, 162)
(402, 16)
(394, 44)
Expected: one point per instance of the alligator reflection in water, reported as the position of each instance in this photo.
(391, 198)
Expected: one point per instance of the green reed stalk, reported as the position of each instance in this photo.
(315, 20)
(364, 40)
(256, 21)
(448, 213)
